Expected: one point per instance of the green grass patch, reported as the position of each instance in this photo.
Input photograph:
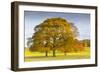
(38, 56)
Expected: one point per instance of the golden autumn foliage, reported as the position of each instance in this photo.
(55, 34)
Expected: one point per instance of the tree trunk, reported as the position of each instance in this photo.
(54, 53)
(65, 53)
(46, 53)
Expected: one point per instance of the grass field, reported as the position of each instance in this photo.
(37, 56)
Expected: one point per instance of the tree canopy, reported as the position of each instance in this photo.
(54, 34)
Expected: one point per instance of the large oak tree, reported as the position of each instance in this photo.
(53, 34)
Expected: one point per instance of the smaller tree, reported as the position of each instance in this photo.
(86, 42)
(71, 45)
(29, 42)
(78, 46)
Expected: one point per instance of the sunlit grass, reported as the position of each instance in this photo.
(37, 56)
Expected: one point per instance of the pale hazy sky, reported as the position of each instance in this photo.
(80, 20)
